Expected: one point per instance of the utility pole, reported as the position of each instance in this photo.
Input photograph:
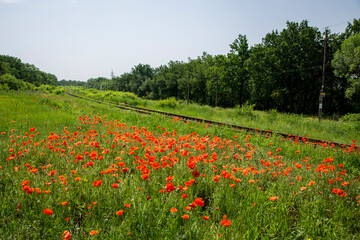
(216, 96)
(188, 95)
(112, 74)
(322, 93)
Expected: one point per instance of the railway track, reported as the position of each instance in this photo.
(232, 126)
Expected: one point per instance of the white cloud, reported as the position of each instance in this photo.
(11, 1)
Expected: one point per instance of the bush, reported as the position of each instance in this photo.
(350, 117)
(9, 82)
(167, 103)
(246, 109)
(273, 114)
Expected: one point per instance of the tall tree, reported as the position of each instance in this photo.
(237, 74)
(346, 63)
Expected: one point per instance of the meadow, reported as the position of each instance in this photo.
(81, 170)
(342, 129)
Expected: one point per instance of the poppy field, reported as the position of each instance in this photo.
(71, 169)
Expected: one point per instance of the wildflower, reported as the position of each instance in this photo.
(169, 187)
(48, 211)
(145, 176)
(66, 235)
(93, 232)
(97, 183)
(173, 210)
(185, 216)
(63, 203)
(52, 173)
(311, 183)
(120, 212)
(77, 178)
(199, 202)
(127, 205)
(225, 222)
(345, 183)
(114, 185)
(273, 198)
(168, 179)
(205, 217)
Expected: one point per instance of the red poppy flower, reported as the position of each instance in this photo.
(273, 198)
(97, 183)
(66, 235)
(93, 232)
(48, 211)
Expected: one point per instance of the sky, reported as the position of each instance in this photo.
(82, 39)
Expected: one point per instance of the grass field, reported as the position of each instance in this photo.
(343, 131)
(71, 168)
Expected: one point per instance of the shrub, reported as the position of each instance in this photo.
(13, 83)
(350, 117)
(246, 109)
(167, 103)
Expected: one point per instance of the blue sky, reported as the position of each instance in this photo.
(80, 39)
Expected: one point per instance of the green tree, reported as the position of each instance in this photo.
(346, 63)
(141, 74)
(236, 72)
(285, 70)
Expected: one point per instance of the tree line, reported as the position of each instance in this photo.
(283, 72)
(15, 73)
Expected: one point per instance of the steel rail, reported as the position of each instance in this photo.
(233, 126)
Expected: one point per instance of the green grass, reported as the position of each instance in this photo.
(66, 127)
(300, 125)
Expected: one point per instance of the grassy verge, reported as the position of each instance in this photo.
(70, 166)
(306, 126)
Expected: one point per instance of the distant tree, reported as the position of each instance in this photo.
(352, 28)
(236, 72)
(64, 82)
(139, 76)
(25, 71)
(285, 70)
(121, 83)
(99, 83)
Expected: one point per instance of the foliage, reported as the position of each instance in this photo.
(25, 71)
(346, 63)
(284, 72)
(245, 109)
(167, 103)
(9, 82)
(77, 172)
(301, 125)
(351, 117)
(71, 83)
